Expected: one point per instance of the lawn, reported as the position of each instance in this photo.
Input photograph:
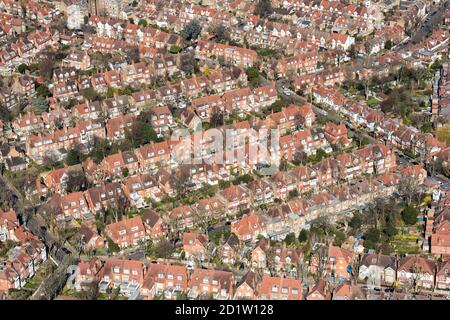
(405, 244)
(372, 101)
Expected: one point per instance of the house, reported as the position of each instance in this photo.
(161, 119)
(235, 198)
(277, 288)
(213, 284)
(128, 275)
(415, 271)
(286, 261)
(443, 276)
(109, 195)
(154, 224)
(377, 269)
(246, 289)
(78, 59)
(195, 246)
(167, 281)
(182, 217)
(8, 223)
(249, 227)
(91, 239)
(347, 291)
(128, 232)
(88, 274)
(258, 256)
(337, 134)
(339, 262)
(230, 250)
(319, 291)
(71, 206)
(117, 127)
(331, 98)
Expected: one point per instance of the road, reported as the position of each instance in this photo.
(294, 98)
(426, 26)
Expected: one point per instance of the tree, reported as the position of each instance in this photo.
(174, 49)
(141, 133)
(73, 157)
(189, 64)
(192, 30)
(40, 105)
(409, 215)
(371, 238)
(76, 181)
(216, 118)
(180, 180)
(252, 75)
(143, 23)
(300, 157)
(22, 68)
(43, 91)
(112, 246)
(409, 188)
(90, 94)
(303, 236)
(290, 239)
(264, 8)
(164, 249)
(5, 114)
(388, 45)
(293, 194)
(221, 33)
(390, 230)
(47, 63)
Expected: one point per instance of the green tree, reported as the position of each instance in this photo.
(371, 238)
(141, 133)
(192, 30)
(303, 236)
(390, 230)
(112, 246)
(388, 45)
(252, 74)
(290, 239)
(409, 215)
(90, 94)
(73, 157)
(22, 68)
(143, 23)
(293, 194)
(174, 49)
(372, 234)
(43, 91)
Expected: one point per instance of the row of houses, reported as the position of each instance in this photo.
(25, 256)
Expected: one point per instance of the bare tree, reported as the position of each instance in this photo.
(409, 188)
